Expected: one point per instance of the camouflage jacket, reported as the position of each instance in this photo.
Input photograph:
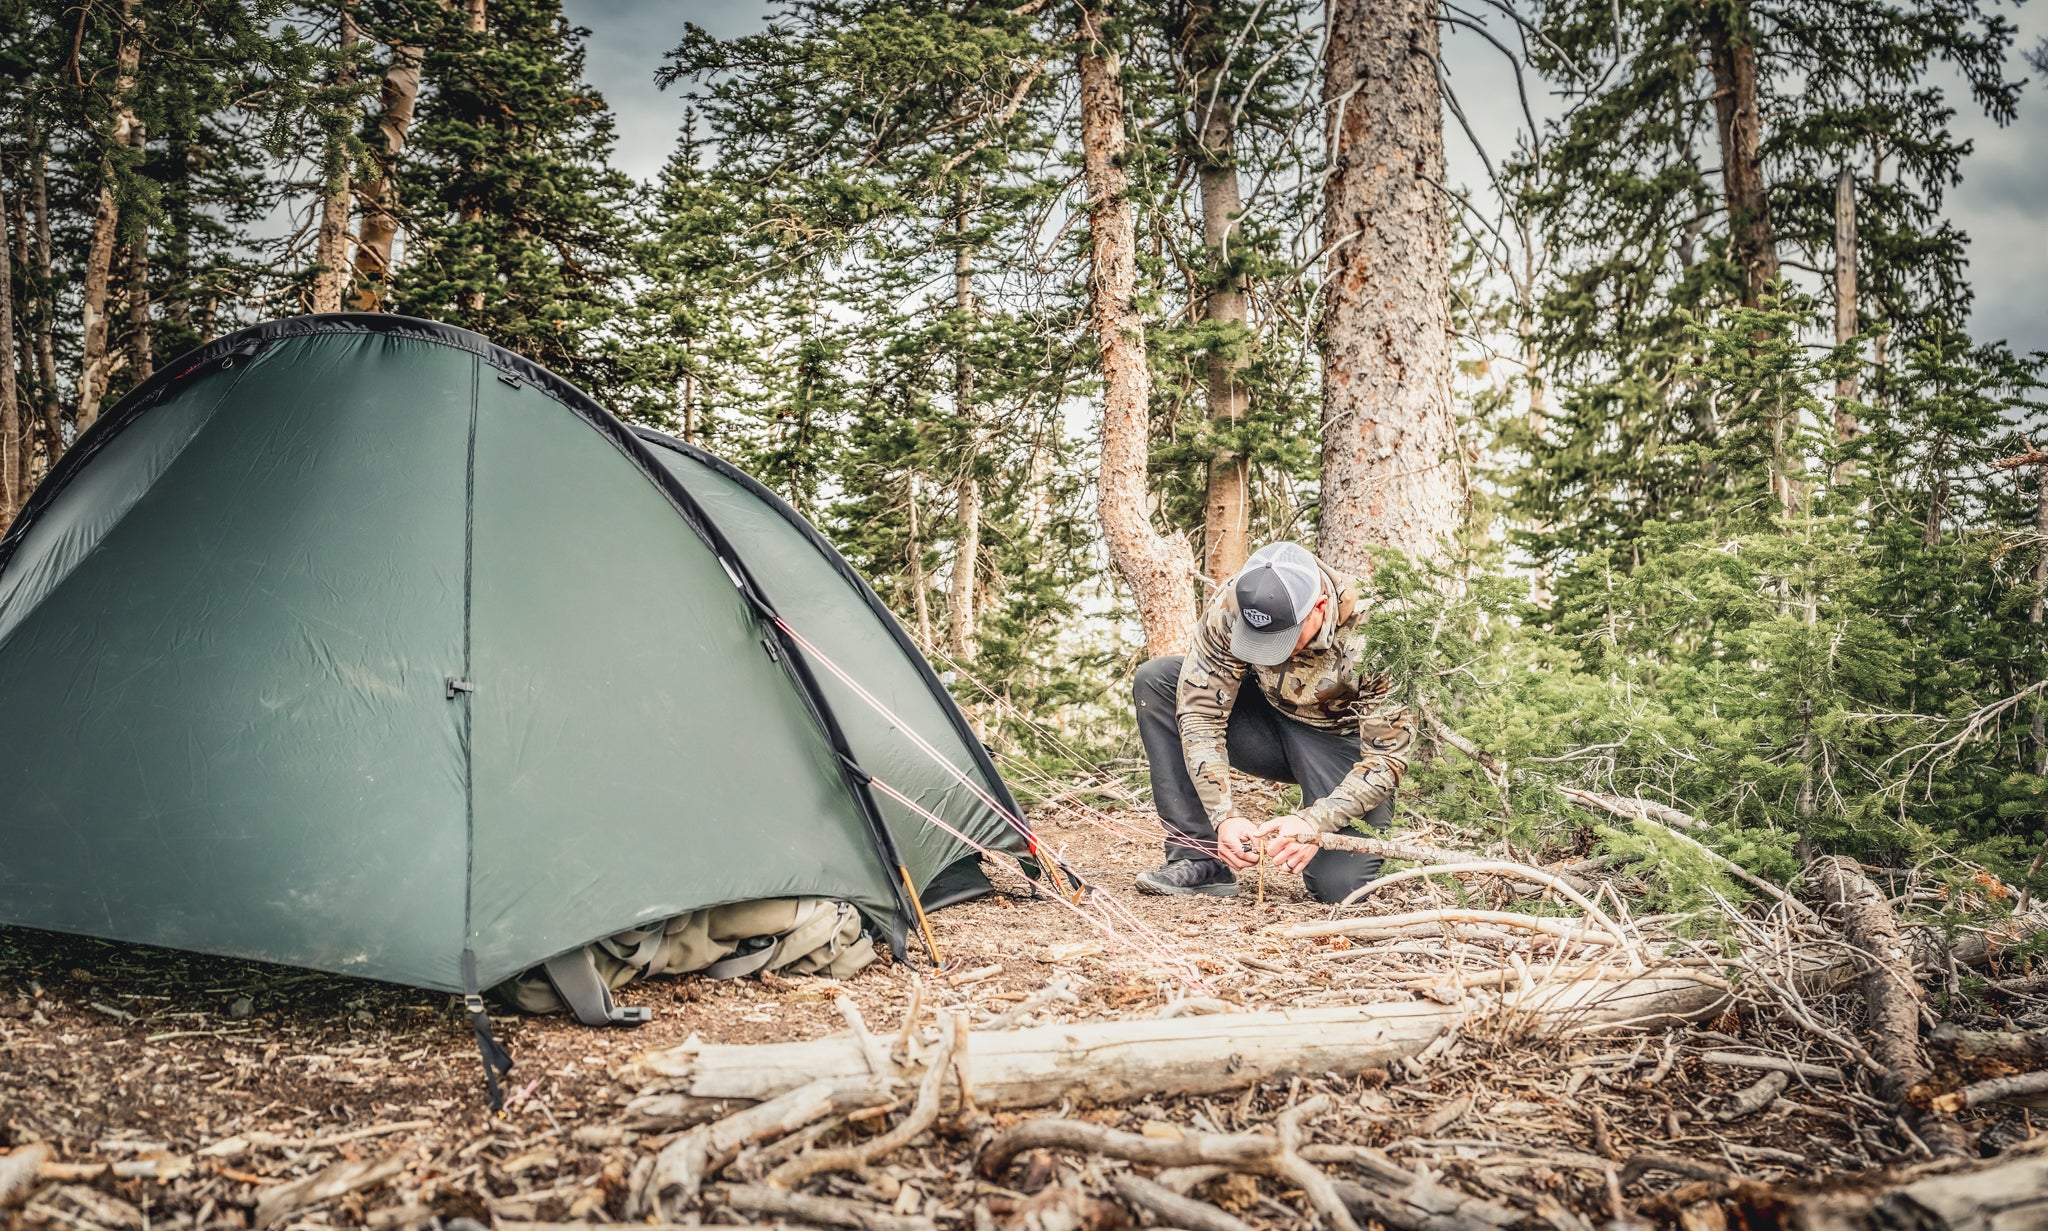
(1320, 686)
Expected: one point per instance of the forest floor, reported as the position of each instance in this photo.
(178, 1091)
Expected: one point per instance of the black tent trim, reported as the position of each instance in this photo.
(225, 351)
(944, 697)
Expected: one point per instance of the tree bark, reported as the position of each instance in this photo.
(96, 358)
(1891, 995)
(141, 356)
(1849, 385)
(967, 491)
(1731, 53)
(11, 493)
(330, 253)
(1158, 568)
(1226, 509)
(397, 98)
(1392, 476)
(920, 601)
(51, 410)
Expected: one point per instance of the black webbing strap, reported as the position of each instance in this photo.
(496, 1059)
(588, 996)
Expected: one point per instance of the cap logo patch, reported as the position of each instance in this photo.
(1256, 618)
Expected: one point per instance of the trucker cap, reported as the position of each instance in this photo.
(1275, 590)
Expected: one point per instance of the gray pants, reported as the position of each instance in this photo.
(1259, 741)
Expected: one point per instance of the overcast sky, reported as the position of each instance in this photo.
(2002, 205)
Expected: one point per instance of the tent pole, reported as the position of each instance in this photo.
(924, 924)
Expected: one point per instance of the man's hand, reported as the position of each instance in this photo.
(1234, 842)
(1290, 842)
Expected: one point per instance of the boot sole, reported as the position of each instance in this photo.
(1220, 890)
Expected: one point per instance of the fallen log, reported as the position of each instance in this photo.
(2021, 1050)
(2009, 1195)
(1891, 994)
(1126, 1061)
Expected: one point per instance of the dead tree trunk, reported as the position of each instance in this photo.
(330, 253)
(1731, 53)
(967, 491)
(1891, 994)
(376, 233)
(1226, 509)
(1158, 568)
(2009, 1194)
(1108, 1062)
(96, 357)
(1849, 385)
(1392, 476)
(11, 493)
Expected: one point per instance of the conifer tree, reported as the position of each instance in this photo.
(516, 220)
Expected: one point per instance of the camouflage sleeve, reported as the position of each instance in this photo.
(1209, 679)
(1386, 732)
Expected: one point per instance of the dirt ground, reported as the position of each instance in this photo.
(174, 1091)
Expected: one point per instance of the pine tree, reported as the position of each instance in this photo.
(516, 221)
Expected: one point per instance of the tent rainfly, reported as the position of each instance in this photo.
(360, 644)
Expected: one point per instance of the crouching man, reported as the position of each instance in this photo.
(1271, 686)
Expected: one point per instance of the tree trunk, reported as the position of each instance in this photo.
(1391, 472)
(21, 347)
(1731, 51)
(1848, 386)
(919, 600)
(330, 254)
(11, 494)
(96, 357)
(396, 99)
(2007, 1194)
(967, 547)
(2034, 614)
(141, 357)
(1226, 510)
(1159, 569)
(52, 413)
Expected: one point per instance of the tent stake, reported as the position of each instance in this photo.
(924, 924)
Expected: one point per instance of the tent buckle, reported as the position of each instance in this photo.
(456, 685)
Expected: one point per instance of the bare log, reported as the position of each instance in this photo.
(1890, 992)
(2009, 1195)
(1125, 1061)
(1564, 929)
(2022, 1049)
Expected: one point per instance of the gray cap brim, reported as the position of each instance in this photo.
(1262, 647)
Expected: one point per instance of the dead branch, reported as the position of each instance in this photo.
(922, 1114)
(1173, 1209)
(2018, 1048)
(685, 1163)
(1672, 821)
(1498, 867)
(1563, 929)
(833, 1211)
(1781, 1064)
(1757, 1097)
(2020, 1087)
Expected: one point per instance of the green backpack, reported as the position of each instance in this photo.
(804, 936)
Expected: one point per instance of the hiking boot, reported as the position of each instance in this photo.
(1182, 877)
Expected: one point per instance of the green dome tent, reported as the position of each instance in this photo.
(360, 644)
